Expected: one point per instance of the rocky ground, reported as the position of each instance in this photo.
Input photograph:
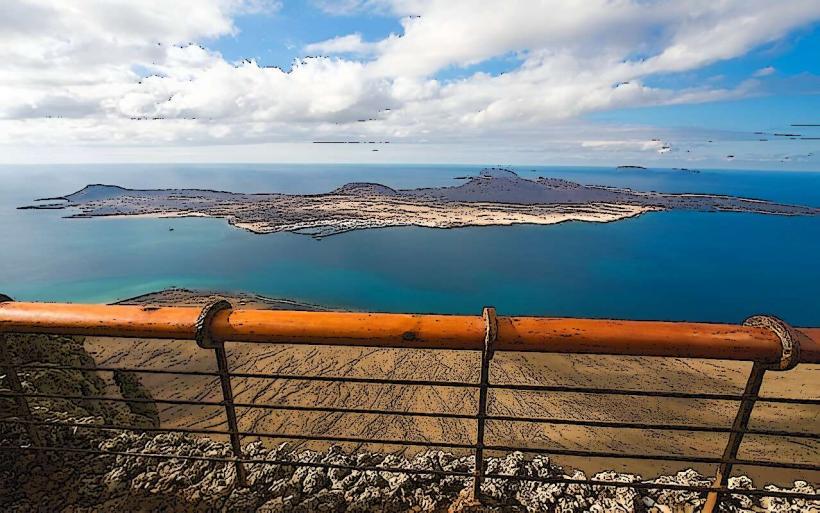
(61, 350)
(80, 482)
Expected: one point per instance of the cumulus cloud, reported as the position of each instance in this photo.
(143, 71)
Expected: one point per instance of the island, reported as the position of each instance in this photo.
(629, 166)
(493, 197)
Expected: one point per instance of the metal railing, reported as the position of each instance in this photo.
(769, 343)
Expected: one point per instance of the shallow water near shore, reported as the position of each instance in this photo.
(667, 265)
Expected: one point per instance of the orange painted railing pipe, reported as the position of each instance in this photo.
(539, 334)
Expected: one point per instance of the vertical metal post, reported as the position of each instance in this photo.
(15, 386)
(204, 340)
(490, 335)
(790, 356)
(739, 426)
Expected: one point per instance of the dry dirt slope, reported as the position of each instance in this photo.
(581, 370)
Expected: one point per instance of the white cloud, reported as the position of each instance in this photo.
(634, 145)
(764, 72)
(382, 7)
(343, 7)
(141, 72)
(351, 43)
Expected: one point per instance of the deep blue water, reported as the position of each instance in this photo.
(667, 265)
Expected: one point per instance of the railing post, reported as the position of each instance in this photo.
(205, 341)
(15, 386)
(490, 335)
(790, 357)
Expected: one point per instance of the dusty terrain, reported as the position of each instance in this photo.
(494, 197)
(581, 370)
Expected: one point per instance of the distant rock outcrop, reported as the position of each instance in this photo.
(95, 192)
(365, 189)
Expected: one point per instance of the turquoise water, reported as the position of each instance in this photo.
(668, 265)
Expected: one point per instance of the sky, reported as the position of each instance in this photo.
(664, 83)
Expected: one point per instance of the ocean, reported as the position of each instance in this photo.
(668, 265)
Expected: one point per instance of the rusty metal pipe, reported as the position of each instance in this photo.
(540, 334)
(103, 320)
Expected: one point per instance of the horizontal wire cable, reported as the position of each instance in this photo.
(659, 486)
(364, 411)
(397, 470)
(652, 457)
(650, 393)
(401, 470)
(418, 443)
(645, 426)
(284, 436)
(284, 407)
(377, 381)
(514, 387)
